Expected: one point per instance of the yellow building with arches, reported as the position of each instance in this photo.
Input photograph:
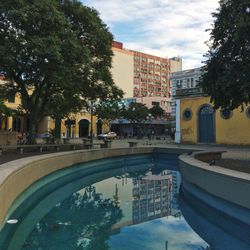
(75, 126)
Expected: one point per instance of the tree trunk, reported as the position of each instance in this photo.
(58, 127)
(31, 139)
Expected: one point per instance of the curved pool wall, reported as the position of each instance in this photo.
(212, 226)
(223, 189)
(17, 176)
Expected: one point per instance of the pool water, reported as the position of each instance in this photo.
(133, 203)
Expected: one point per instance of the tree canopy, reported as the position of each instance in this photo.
(93, 35)
(226, 77)
(136, 113)
(156, 111)
(54, 53)
(4, 110)
(109, 111)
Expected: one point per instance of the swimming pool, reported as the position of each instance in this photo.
(129, 202)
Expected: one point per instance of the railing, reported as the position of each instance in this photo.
(188, 92)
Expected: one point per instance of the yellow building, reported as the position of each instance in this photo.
(77, 125)
(200, 123)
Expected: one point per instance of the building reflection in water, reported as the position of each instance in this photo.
(155, 196)
(152, 197)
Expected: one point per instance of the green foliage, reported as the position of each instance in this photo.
(156, 111)
(4, 110)
(109, 111)
(93, 35)
(226, 78)
(78, 222)
(55, 56)
(136, 112)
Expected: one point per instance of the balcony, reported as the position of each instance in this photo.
(188, 92)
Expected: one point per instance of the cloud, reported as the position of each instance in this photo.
(161, 27)
(154, 235)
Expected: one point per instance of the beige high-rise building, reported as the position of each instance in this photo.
(143, 76)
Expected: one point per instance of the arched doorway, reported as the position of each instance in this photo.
(14, 124)
(99, 127)
(206, 124)
(83, 128)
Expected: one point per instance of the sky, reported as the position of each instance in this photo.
(175, 231)
(164, 28)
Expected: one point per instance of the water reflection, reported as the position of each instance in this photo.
(152, 197)
(76, 223)
(128, 208)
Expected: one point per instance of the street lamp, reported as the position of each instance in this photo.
(92, 111)
(120, 121)
(150, 118)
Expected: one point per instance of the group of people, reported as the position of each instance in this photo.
(22, 138)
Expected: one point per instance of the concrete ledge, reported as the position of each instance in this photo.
(209, 156)
(229, 185)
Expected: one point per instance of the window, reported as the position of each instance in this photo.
(179, 83)
(187, 114)
(226, 113)
(155, 103)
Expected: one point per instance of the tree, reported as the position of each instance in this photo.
(97, 82)
(136, 113)
(4, 110)
(109, 111)
(51, 51)
(61, 106)
(226, 77)
(93, 35)
(156, 111)
(39, 53)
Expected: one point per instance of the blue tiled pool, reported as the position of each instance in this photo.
(121, 204)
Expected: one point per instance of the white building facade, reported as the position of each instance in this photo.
(183, 80)
(186, 79)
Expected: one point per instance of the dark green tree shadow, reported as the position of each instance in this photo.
(82, 221)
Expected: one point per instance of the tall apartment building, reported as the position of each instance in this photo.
(143, 76)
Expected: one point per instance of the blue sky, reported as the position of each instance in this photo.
(160, 27)
(141, 236)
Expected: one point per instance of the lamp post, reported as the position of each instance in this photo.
(92, 110)
(120, 121)
(135, 126)
(91, 123)
(150, 118)
(73, 123)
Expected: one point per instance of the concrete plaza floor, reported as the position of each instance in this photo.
(241, 153)
(232, 151)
